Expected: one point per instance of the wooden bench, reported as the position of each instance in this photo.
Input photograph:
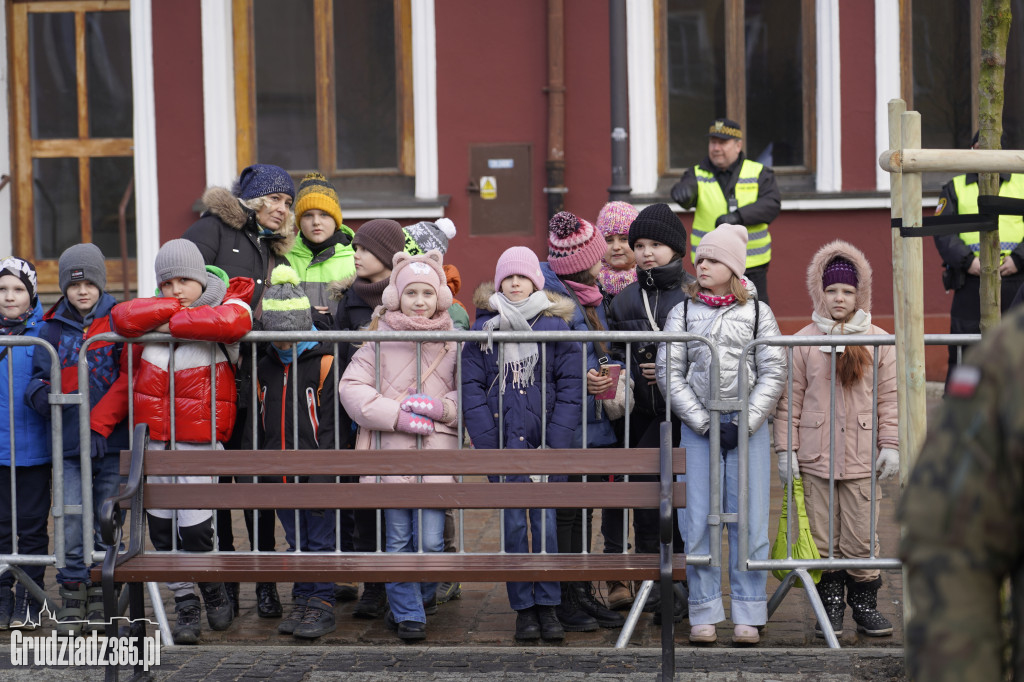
(136, 566)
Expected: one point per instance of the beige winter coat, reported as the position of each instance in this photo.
(809, 406)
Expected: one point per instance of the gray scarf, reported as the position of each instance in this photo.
(214, 292)
(520, 358)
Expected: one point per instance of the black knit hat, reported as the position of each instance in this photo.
(659, 223)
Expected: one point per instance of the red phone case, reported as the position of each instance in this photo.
(613, 372)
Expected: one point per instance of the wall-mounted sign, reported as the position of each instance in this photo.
(501, 163)
(488, 187)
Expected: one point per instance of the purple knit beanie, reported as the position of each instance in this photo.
(839, 271)
(261, 179)
(518, 260)
(574, 245)
(616, 217)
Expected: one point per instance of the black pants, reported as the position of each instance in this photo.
(197, 538)
(645, 521)
(33, 484)
(965, 311)
(758, 276)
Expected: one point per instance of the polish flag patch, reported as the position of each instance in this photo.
(963, 381)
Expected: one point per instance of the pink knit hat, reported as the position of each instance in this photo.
(519, 260)
(616, 217)
(423, 269)
(574, 245)
(726, 244)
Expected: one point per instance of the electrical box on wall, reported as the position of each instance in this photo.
(500, 201)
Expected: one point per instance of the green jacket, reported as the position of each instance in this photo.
(963, 518)
(336, 263)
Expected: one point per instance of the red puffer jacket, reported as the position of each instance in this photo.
(224, 323)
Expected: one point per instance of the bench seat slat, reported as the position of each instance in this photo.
(383, 567)
(591, 495)
(633, 461)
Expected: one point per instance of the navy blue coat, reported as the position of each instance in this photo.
(522, 424)
(600, 432)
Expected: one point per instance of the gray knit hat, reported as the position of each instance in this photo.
(82, 263)
(427, 236)
(180, 258)
(285, 305)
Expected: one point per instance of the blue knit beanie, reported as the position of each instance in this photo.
(261, 179)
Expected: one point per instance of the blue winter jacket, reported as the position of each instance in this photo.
(30, 430)
(600, 433)
(522, 407)
(64, 328)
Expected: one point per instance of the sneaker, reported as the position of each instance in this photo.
(590, 605)
(704, 634)
(745, 635)
(430, 605)
(551, 629)
(94, 610)
(6, 607)
(346, 591)
(187, 629)
(26, 610)
(373, 603)
(680, 604)
(407, 630)
(619, 595)
(527, 625)
(71, 615)
(448, 591)
(571, 614)
(294, 617)
(317, 621)
(219, 613)
(268, 604)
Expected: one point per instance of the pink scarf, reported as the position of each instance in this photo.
(399, 321)
(588, 294)
(613, 281)
(717, 301)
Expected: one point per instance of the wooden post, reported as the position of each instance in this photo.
(896, 109)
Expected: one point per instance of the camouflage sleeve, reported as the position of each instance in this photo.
(962, 515)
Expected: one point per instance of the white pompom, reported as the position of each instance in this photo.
(447, 226)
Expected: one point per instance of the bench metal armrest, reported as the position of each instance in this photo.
(110, 520)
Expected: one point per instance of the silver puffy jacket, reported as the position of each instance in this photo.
(729, 328)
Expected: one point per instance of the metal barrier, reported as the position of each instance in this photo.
(16, 560)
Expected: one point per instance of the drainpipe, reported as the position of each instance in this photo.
(620, 189)
(555, 164)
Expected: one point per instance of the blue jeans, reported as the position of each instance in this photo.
(749, 599)
(316, 532)
(403, 535)
(526, 595)
(105, 481)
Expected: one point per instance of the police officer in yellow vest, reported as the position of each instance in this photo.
(727, 187)
(960, 253)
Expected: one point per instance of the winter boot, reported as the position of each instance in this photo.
(620, 595)
(26, 610)
(219, 613)
(551, 629)
(268, 604)
(527, 625)
(571, 614)
(186, 630)
(94, 612)
(373, 603)
(346, 591)
(863, 600)
(653, 603)
(71, 615)
(680, 603)
(318, 620)
(589, 603)
(6, 607)
(830, 589)
(233, 592)
(294, 617)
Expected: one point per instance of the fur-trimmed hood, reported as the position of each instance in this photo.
(336, 288)
(221, 203)
(560, 305)
(816, 270)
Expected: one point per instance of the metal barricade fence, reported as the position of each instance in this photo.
(799, 567)
(16, 378)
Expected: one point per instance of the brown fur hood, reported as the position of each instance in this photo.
(336, 288)
(560, 305)
(821, 260)
(226, 206)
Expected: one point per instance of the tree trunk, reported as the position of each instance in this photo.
(995, 28)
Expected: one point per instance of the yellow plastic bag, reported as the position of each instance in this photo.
(803, 546)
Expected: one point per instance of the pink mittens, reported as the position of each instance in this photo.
(421, 403)
(410, 422)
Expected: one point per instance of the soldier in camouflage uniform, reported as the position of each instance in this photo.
(963, 519)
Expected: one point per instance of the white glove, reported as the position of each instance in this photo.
(788, 459)
(888, 463)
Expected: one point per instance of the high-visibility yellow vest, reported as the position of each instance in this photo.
(711, 203)
(1011, 227)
